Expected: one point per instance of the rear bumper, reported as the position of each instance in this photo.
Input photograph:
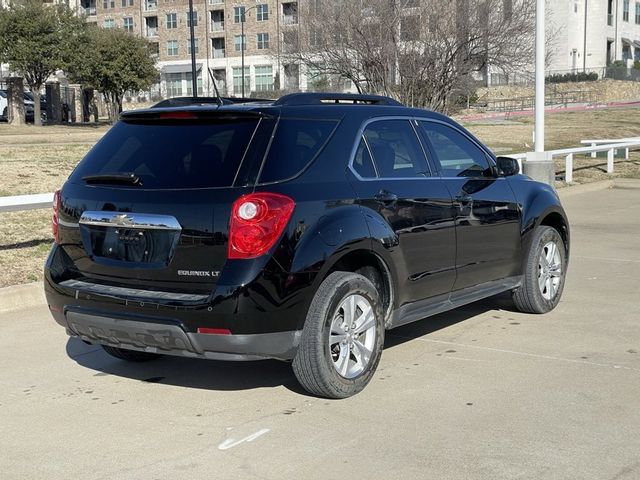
(171, 338)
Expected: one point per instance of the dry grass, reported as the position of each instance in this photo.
(563, 130)
(25, 240)
(39, 159)
(36, 160)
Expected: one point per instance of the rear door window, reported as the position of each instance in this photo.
(169, 155)
(295, 144)
(395, 149)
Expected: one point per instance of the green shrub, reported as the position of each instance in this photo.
(572, 77)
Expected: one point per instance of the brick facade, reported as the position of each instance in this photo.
(217, 27)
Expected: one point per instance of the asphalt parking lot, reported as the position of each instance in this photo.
(478, 393)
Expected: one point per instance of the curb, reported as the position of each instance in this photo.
(19, 297)
(572, 190)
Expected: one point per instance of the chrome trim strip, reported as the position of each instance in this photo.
(145, 221)
(68, 224)
(134, 294)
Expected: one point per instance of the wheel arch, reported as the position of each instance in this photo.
(557, 221)
(370, 265)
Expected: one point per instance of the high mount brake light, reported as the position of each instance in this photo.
(56, 213)
(178, 116)
(257, 221)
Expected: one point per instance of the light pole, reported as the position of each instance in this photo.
(539, 165)
(242, 42)
(194, 81)
(540, 66)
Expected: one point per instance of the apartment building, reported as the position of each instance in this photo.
(591, 34)
(270, 27)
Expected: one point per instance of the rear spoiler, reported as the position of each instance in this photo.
(193, 114)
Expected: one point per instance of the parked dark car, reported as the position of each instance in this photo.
(298, 230)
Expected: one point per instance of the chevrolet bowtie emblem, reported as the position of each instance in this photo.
(122, 220)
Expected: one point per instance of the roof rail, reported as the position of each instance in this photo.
(335, 98)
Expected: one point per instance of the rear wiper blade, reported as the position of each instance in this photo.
(124, 177)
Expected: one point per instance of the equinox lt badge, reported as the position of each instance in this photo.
(198, 273)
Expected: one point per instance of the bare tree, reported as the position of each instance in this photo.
(419, 51)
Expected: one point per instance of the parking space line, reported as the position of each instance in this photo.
(526, 354)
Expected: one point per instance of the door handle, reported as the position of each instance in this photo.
(385, 197)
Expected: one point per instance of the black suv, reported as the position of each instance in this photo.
(298, 230)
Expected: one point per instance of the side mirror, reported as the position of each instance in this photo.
(507, 166)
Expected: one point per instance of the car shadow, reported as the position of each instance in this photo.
(411, 331)
(232, 376)
(187, 372)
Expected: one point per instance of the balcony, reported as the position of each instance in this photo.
(90, 11)
(217, 21)
(290, 13)
(218, 47)
(151, 27)
(289, 19)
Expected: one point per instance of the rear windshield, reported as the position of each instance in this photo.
(295, 144)
(172, 155)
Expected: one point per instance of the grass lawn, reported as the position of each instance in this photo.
(39, 159)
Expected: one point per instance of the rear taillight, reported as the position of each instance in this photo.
(257, 221)
(54, 220)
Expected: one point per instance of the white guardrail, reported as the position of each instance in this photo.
(44, 200)
(20, 203)
(609, 146)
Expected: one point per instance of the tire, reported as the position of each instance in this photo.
(542, 284)
(318, 360)
(130, 355)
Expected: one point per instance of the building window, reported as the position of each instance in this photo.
(174, 84)
(127, 24)
(109, 23)
(105, 4)
(264, 78)
(263, 41)
(237, 79)
(126, 3)
(195, 19)
(625, 11)
(240, 42)
(637, 13)
(172, 20)
(218, 47)
(195, 45)
(262, 12)
(238, 14)
(189, 77)
(172, 48)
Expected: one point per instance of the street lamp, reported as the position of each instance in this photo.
(242, 42)
(194, 80)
